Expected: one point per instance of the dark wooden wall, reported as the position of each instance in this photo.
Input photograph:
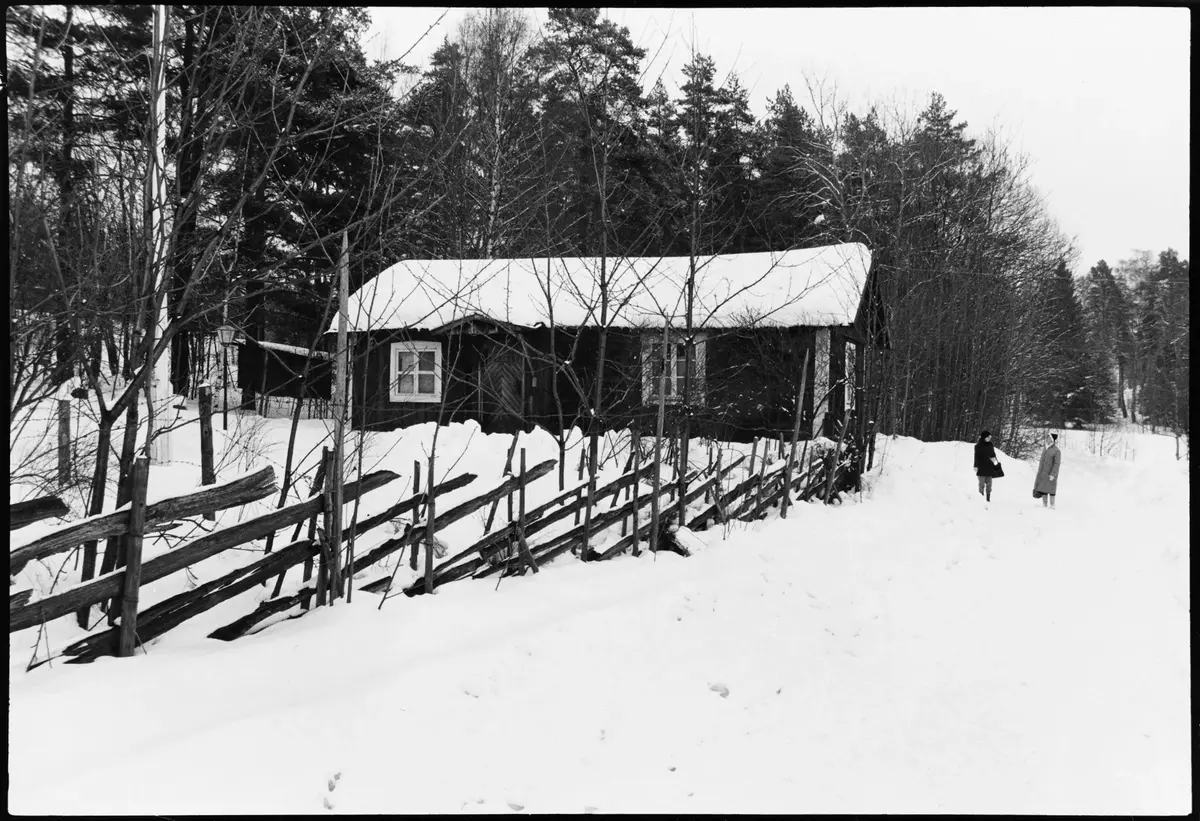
(751, 379)
(280, 373)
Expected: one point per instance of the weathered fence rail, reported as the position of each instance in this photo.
(218, 497)
(35, 510)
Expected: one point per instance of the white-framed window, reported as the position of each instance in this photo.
(416, 372)
(664, 369)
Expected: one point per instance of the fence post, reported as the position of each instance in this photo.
(333, 535)
(318, 485)
(637, 464)
(133, 561)
(208, 475)
(64, 442)
(718, 489)
(522, 545)
(579, 495)
(758, 487)
(430, 512)
(787, 471)
(412, 559)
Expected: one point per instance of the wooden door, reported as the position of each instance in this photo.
(502, 390)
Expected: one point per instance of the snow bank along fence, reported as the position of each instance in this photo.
(521, 544)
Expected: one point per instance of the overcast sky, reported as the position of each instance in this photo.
(1098, 98)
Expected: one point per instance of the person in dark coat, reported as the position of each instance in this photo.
(987, 466)
(1046, 483)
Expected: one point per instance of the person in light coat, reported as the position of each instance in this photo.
(1045, 486)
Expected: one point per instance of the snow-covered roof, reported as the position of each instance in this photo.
(814, 286)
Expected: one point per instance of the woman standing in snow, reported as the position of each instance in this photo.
(987, 466)
(1046, 483)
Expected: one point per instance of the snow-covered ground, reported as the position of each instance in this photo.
(915, 650)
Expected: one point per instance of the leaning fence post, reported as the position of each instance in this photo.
(64, 442)
(208, 475)
(133, 560)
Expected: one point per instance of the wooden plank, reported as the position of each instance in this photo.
(133, 557)
(172, 612)
(237, 629)
(26, 513)
(407, 505)
(237, 492)
(103, 587)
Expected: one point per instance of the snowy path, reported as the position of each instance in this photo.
(918, 652)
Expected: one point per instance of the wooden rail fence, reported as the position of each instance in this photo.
(521, 544)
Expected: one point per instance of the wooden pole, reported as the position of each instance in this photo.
(579, 493)
(333, 532)
(836, 455)
(787, 471)
(318, 486)
(133, 553)
(758, 489)
(508, 471)
(208, 474)
(430, 512)
(718, 487)
(522, 544)
(64, 442)
(656, 476)
(412, 559)
(637, 458)
(341, 369)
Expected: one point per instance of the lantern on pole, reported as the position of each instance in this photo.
(225, 336)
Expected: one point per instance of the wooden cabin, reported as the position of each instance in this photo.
(516, 343)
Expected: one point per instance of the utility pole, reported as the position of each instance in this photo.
(160, 378)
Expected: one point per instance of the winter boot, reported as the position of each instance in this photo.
(1052, 502)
